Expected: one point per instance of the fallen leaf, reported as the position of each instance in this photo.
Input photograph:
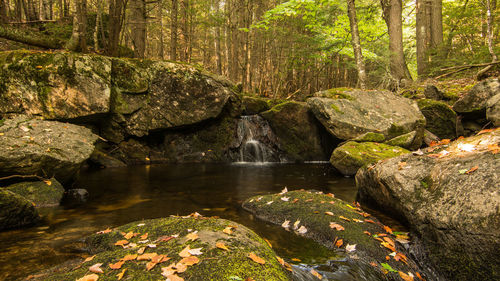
(129, 257)
(104, 231)
(128, 236)
(367, 233)
(473, 169)
(302, 230)
(296, 260)
(494, 148)
(356, 220)
(315, 273)
(309, 200)
(400, 256)
(419, 276)
(117, 265)
(185, 252)
(148, 256)
(401, 165)
(180, 267)
(388, 267)
(296, 224)
(350, 248)
(144, 236)
(96, 268)
(285, 190)
(284, 198)
(160, 259)
(120, 275)
(405, 276)
(195, 252)
(295, 200)
(286, 224)
(390, 241)
(192, 236)
(229, 230)
(192, 260)
(344, 218)
(339, 243)
(329, 213)
(121, 243)
(269, 203)
(150, 265)
(388, 246)
(47, 182)
(141, 250)
(268, 243)
(165, 238)
(91, 277)
(374, 264)
(222, 246)
(256, 258)
(330, 195)
(89, 259)
(387, 229)
(174, 277)
(336, 226)
(281, 261)
(485, 131)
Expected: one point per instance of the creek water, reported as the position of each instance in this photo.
(122, 195)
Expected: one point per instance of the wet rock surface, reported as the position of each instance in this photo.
(16, 211)
(46, 193)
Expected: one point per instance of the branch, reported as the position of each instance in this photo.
(470, 65)
(23, 177)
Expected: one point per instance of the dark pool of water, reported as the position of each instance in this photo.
(122, 195)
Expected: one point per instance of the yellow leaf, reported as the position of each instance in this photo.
(120, 275)
(174, 277)
(150, 265)
(148, 256)
(117, 265)
(336, 226)
(89, 259)
(48, 182)
(315, 273)
(296, 260)
(121, 243)
(344, 218)
(228, 230)
(91, 277)
(339, 243)
(129, 257)
(256, 258)
(192, 236)
(185, 252)
(222, 246)
(144, 236)
(329, 213)
(192, 260)
(405, 277)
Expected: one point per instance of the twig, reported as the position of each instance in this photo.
(22, 177)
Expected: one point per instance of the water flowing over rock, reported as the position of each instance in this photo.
(350, 114)
(256, 140)
(45, 148)
(449, 197)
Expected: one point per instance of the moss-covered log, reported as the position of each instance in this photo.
(29, 38)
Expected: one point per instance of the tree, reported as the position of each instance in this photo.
(138, 26)
(115, 24)
(78, 40)
(429, 31)
(356, 43)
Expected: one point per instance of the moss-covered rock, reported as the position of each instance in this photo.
(371, 137)
(42, 193)
(475, 101)
(254, 105)
(329, 221)
(449, 196)
(351, 156)
(299, 134)
(15, 210)
(407, 141)
(170, 238)
(441, 119)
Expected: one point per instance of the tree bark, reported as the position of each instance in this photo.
(138, 27)
(356, 44)
(78, 40)
(116, 8)
(217, 39)
(429, 25)
(4, 11)
(173, 30)
(161, 50)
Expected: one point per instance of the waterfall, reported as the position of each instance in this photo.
(256, 140)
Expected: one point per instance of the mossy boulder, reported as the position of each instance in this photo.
(441, 119)
(254, 105)
(353, 113)
(16, 211)
(42, 193)
(475, 100)
(170, 236)
(45, 148)
(449, 197)
(371, 137)
(406, 141)
(493, 110)
(54, 85)
(351, 156)
(299, 135)
(329, 221)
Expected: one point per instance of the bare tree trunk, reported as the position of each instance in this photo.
(138, 27)
(173, 30)
(490, 8)
(217, 40)
(4, 11)
(429, 25)
(184, 6)
(436, 23)
(98, 20)
(78, 40)
(61, 9)
(356, 44)
(114, 26)
(161, 50)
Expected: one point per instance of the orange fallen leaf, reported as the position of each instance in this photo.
(339, 243)
(295, 200)
(390, 241)
(91, 277)
(330, 195)
(374, 264)
(165, 238)
(117, 265)
(367, 233)
(256, 258)
(336, 226)
(405, 276)
(401, 165)
(485, 131)
(296, 260)
(473, 169)
(419, 276)
(174, 277)
(387, 258)
(329, 213)
(120, 275)
(309, 200)
(107, 230)
(89, 259)
(160, 259)
(228, 230)
(192, 260)
(494, 148)
(141, 250)
(121, 243)
(364, 214)
(388, 246)
(281, 261)
(400, 256)
(145, 257)
(96, 268)
(150, 265)
(222, 246)
(387, 229)
(370, 221)
(315, 273)
(192, 236)
(129, 235)
(129, 257)
(344, 218)
(267, 241)
(185, 252)
(144, 236)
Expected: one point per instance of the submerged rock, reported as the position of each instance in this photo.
(75, 197)
(45, 148)
(351, 114)
(475, 101)
(441, 119)
(16, 211)
(351, 156)
(450, 198)
(42, 193)
(189, 248)
(339, 226)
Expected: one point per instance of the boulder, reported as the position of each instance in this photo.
(299, 134)
(357, 238)
(405, 141)
(45, 148)
(75, 197)
(154, 95)
(441, 119)
(371, 137)
(254, 105)
(192, 248)
(16, 211)
(54, 85)
(351, 156)
(475, 101)
(46, 193)
(433, 93)
(351, 114)
(449, 198)
(493, 110)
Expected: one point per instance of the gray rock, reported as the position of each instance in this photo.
(493, 110)
(441, 119)
(43, 193)
(476, 99)
(45, 148)
(16, 211)
(75, 196)
(406, 141)
(453, 208)
(254, 105)
(350, 114)
(433, 93)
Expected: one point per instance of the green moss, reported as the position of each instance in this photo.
(336, 108)
(396, 130)
(338, 93)
(40, 192)
(371, 137)
(441, 119)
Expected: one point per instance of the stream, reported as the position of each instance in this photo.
(122, 195)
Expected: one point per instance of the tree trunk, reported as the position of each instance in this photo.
(184, 30)
(173, 30)
(356, 45)
(429, 25)
(114, 26)
(217, 39)
(161, 50)
(138, 24)
(4, 11)
(38, 40)
(436, 23)
(78, 40)
(491, 19)
(98, 19)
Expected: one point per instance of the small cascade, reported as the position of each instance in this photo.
(256, 140)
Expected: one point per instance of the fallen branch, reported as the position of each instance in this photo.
(29, 38)
(465, 67)
(32, 21)
(23, 177)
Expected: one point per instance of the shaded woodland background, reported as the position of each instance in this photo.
(274, 48)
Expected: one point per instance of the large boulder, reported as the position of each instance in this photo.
(441, 119)
(16, 211)
(254, 105)
(46, 193)
(299, 134)
(493, 110)
(176, 248)
(449, 197)
(349, 114)
(475, 101)
(154, 95)
(54, 85)
(351, 156)
(45, 148)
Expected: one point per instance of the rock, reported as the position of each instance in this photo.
(441, 119)
(76, 196)
(433, 93)
(154, 95)
(102, 159)
(254, 105)
(45, 148)
(299, 134)
(54, 85)
(430, 138)
(207, 261)
(475, 101)
(350, 114)
(16, 211)
(311, 215)
(371, 137)
(43, 193)
(405, 141)
(493, 110)
(450, 199)
(351, 156)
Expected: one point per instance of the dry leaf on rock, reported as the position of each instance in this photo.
(192, 260)
(336, 226)
(185, 252)
(91, 277)
(350, 248)
(222, 246)
(174, 277)
(192, 236)
(302, 230)
(329, 213)
(256, 258)
(96, 268)
(405, 276)
(120, 275)
(316, 274)
(286, 224)
(195, 252)
(145, 257)
(117, 265)
(121, 243)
